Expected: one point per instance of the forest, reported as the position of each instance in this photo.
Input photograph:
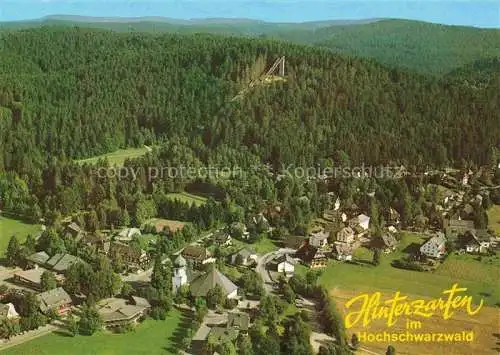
(72, 93)
(417, 46)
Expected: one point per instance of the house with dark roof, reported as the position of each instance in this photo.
(60, 263)
(222, 239)
(455, 227)
(56, 299)
(37, 259)
(197, 254)
(388, 242)
(200, 286)
(74, 231)
(284, 264)
(99, 242)
(477, 241)
(312, 256)
(393, 216)
(31, 278)
(214, 335)
(238, 320)
(135, 259)
(221, 335)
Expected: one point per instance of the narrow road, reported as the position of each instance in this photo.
(264, 273)
(262, 270)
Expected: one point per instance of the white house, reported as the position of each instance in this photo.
(222, 239)
(8, 311)
(364, 221)
(478, 242)
(392, 229)
(344, 217)
(319, 239)
(286, 264)
(343, 251)
(337, 204)
(127, 234)
(244, 257)
(434, 247)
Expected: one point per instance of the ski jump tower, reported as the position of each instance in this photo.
(275, 73)
(280, 62)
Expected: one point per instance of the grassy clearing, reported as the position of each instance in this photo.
(263, 246)
(188, 198)
(346, 281)
(10, 227)
(161, 223)
(494, 219)
(118, 157)
(150, 337)
(477, 276)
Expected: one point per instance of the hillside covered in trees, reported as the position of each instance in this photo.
(75, 93)
(67, 94)
(416, 46)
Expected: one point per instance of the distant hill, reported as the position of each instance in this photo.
(421, 47)
(413, 45)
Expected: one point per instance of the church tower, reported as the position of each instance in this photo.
(180, 274)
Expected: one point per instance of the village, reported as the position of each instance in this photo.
(221, 277)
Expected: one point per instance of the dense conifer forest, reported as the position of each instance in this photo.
(74, 93)
(417, 46)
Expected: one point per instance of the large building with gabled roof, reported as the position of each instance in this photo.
(202, 284)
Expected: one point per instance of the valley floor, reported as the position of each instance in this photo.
(150, 337)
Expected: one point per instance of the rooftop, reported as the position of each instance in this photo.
(62, 262)
(39, 258)
(31, 275)
(53, 298)
(118, 309)
(202, 333)
(223, 335)
(239, 320)
(204, 283)
(180, 261)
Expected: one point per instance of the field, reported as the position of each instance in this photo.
(118, 157)
(484, 326)
(10, 227)
(188, 198)
(172, 225)
(479, 277)
(494, 218)
(150, 337)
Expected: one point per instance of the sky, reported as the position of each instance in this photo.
(479, 13)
